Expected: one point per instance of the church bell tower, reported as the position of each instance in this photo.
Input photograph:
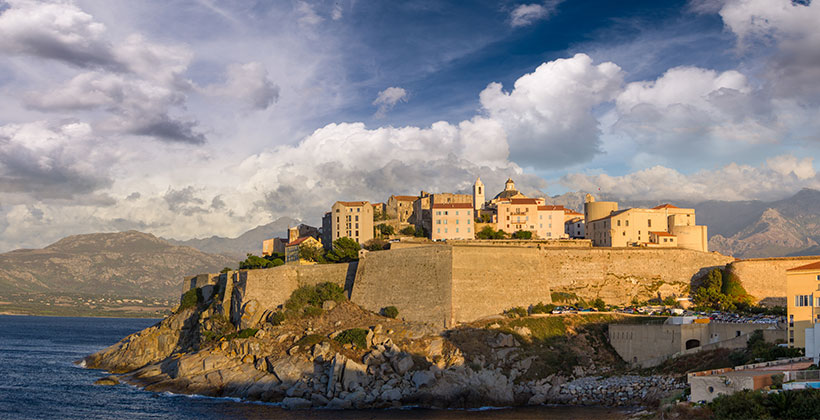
(478, 194)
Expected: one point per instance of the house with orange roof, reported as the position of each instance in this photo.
(352, 219)
(400, 207)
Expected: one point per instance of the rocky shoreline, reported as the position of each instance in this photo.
(302, 365)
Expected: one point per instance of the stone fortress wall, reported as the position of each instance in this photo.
(447, 284)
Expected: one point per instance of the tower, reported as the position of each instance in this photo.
(478, 194)
(293, 234)
(509, 185)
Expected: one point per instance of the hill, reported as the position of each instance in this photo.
(250, 241)
(127, 264)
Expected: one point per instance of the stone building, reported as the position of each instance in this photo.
(452, 221)
(422, 218)
(400, 207)
(607, 226)
(478, 195)
(352, 219)
(508, 193)
(273, 246)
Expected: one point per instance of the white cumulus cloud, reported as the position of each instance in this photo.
(388, 98)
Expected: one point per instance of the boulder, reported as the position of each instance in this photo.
(423, 378)
(503, 340)
(435, 348)
(107, 381)
(291, 368)
(296, 403)
(354, 374)
(328, 305)
(403, 363)
(391, 394)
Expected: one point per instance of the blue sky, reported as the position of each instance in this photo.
(194, 118)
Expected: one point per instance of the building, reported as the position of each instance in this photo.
(509, 193)
(803, 306)
(327, 229)
(422, 207)
(707, 385)
(273, 246)
(378, 210)
(478, 195)
(352, 219)
(452, 221)
(607, 226)
(400, 207)
(574, 228)
(292, 249)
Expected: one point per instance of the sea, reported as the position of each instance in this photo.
(39, 379)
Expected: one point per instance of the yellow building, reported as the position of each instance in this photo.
(292, 249)
(452, 221)
(802, 301)
(273, 246)
(352, 219)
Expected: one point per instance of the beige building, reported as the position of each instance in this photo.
(574, 228)
(509, 193)
(545, 222)
(421, 208)
(400, 207)
(802, 302)
(478, 195)
(452, 221)
(292, 250)
(610, 227)
(352, 219)
(273, 246)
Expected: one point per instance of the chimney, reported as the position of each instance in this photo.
(293, 234)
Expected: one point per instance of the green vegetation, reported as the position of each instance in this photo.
(344, 250)
(599, 304)
(376, 244)
(277, 318)
(758, 350)
(540, 308)
(247, 333)
(307, 300)
(721, 290)
(255, 262)
(385, 229)
(354, 336)
(390, 312)
(489, 233)
(225, 270)
(409, 231)
(522, 234)
(309, 340)
(191, 299)
(670, 301)
(564, 297)
(484, 218)
(311, 252)
(797, 404)
(516, 312)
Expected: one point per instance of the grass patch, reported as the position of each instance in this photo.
(310, 340)
(307, 300)
(355, 336)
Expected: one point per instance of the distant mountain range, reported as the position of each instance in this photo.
(121, 264)
(249, 242)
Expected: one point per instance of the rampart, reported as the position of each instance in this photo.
(765, 278)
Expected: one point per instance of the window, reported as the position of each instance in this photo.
(456, 212)
(438, 230)
(438, 213)
(817, 302)
(550, 225)
(456, 221)
(818, 277)
(468, 212)
(438, 222)
(358, 209)
(468, 230)
(627, 222)
(445, 230)
(619, 222)
(445, 221)
(649, 222)
(802, 300)
(469, 221)
(357, 217)
(456, 230)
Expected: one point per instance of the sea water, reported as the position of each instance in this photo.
(40, 380)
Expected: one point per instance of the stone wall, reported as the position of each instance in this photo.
(765, 278)
(414, 280)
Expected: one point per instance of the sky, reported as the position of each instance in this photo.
(189, 119)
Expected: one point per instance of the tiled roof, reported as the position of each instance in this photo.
(352, 203)
(664, 206)
(453, 206)
(298, 241)
(807, 267)
(553, 208)
(523, 201)
(661, 233)
(405, 197)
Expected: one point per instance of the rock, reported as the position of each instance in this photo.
(290, 369)
(537, 399)
(356, 397)
(523, 332)
(296, 403)
(494, 326)
(339, 404)
(328, 305)
(335, 374)
(107, 381)
(354, 374)
(250, 314)
(369, 339)
(435, 348)
(423, 378)
(319, 399)
(391, 394)
(321, 350)
(403, 363)
(504, 340)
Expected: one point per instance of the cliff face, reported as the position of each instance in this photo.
(129, 264)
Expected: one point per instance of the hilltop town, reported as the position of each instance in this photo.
(446, 299)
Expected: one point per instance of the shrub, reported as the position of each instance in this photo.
(191, 299)
(385, 229)
(309, 340)
(312, 311)
(327, 291)
(599, 304)
(409, 230)
(276, 318)
(522, 234)
(563, 297)
(516, 312)
(344, 250)
(540, 308)
(355, 336)
(247, 333)
(390, 312)
(253, 262)
(376, 244)
(420, 233)
(489, 233)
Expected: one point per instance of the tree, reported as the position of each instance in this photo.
(252, 262)
(376, 244)
(385, 229)
(344, 250)
(599, 304)
(489, 233)
(310, 252)
(409, 231)
(522, 234)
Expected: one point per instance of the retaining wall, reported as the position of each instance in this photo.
(765, 278)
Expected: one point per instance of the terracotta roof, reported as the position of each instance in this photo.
(298, 241)
(405, 197)
(377, 204)
(523, 201)
(664, 206)
(453, 206)
(352, 203)
(807, 267)
(661, 233)
(572, 212)
(553, 208)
